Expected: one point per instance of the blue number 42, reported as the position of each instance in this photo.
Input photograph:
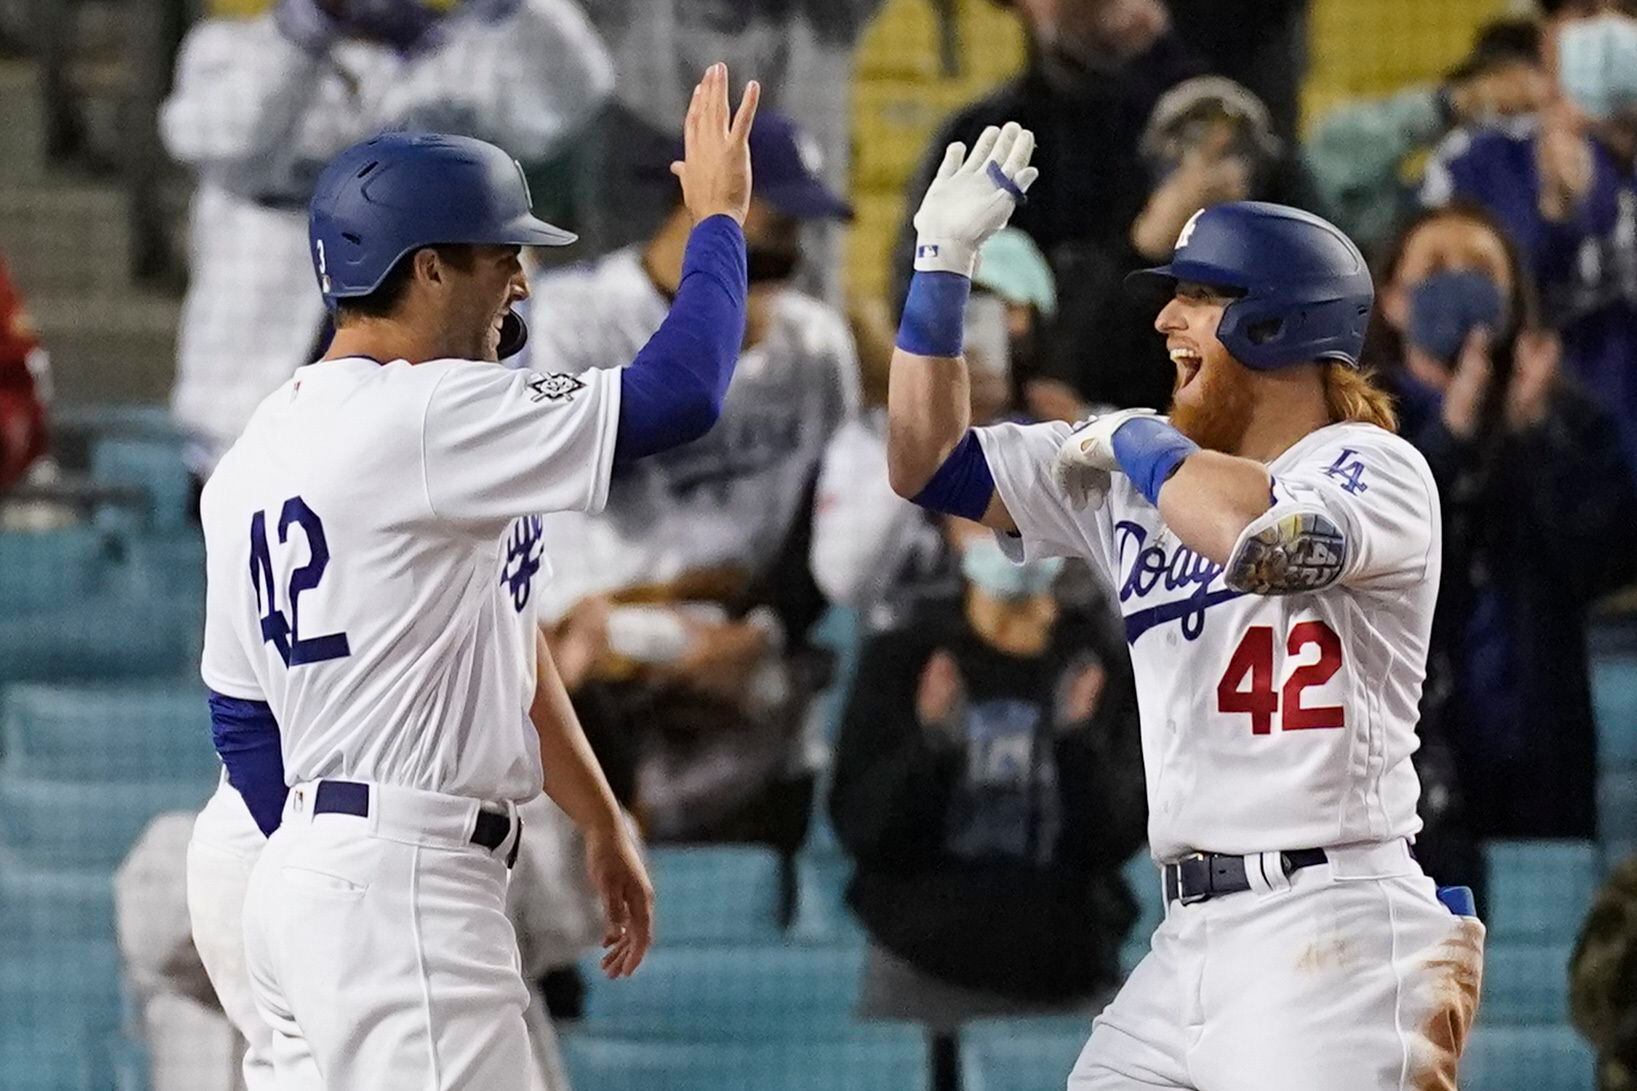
(284, 633)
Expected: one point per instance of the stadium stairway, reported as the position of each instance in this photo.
(66, 239)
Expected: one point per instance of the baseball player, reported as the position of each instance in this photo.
(1275, 551)
(373, 545)
(260, 105)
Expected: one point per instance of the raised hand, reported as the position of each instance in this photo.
(972, 197)
(1468, 385)
(715, 164)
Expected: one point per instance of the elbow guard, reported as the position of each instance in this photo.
(1288, 550)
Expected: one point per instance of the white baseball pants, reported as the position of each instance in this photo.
(221, 853)
(1350, 976)
(380, 951)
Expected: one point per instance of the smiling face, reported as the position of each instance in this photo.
(1212, 398)
(474, 298)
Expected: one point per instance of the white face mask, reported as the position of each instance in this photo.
(987, 340)
(1597, 64)
(988, 568)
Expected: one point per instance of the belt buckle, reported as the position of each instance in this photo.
(1199, 896)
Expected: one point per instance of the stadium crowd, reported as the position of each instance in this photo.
(768, 647)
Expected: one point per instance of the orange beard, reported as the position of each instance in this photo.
(1219, 410)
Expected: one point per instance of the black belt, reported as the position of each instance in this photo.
(351, 797)
(1207, 875)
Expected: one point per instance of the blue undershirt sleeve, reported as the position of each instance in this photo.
(963, 485)
(672, 392)
(247, 740)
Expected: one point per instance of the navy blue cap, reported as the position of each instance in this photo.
(786, 165)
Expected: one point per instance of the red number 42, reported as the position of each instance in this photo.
(1254, 658)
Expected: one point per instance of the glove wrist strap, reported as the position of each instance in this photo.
(943, 256)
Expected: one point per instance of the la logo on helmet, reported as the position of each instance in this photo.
(1188, 229)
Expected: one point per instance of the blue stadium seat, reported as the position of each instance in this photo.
(1614, 697)
(1525, 983)
(50, 568)
(66, 984)
(885, 1058)
(1143, 878)
(54, 1061)
(1538, 1058)
(728, 991)
(1617, 810)
(704, 893)
(1021, 1054)
(52, 903)
(1539, 891)
(155, 464)
(68, 824)
(169, 565)
(101, 637)
(822, 912)
(107, 732)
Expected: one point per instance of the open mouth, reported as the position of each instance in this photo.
(1188, 364)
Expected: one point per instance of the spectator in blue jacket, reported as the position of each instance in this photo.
(1566, 192)
(1537, 516)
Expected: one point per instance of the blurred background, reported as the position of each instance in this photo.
(872, 872)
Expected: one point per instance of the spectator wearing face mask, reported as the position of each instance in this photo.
(872, 549)
(1358, 153)
(698, 676)
(1537, 515)
(988, 786)
(1566, 193)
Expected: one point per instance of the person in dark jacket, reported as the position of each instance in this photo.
(1539, 519)
(1110, 157)
(1566, 190)
(1095, 70)
(988, 785)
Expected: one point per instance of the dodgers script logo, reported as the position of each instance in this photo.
(522, 558)
(1155, 567)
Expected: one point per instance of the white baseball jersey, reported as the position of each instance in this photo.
(257, 118)
(1269, 722)
(729, 497)
(373, 566)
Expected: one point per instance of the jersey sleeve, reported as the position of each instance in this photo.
(497, 444)
(1379, 493)
(225, 664)
(1020, 459)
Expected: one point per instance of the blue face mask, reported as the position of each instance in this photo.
(988, 568)
(1446, 307)
(1597, 64)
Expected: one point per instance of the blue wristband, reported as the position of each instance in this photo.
(934, 319)
(1149, 451)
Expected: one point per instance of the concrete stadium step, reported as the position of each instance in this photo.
(109, 350)
(22, 129)
(68, 237)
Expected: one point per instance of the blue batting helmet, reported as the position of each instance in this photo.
(393, 194)
(1302, 289)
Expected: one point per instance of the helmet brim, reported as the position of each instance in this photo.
(530, 230)
(1159, 279)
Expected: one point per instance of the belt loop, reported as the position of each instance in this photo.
(374, 816)
(1265, 871)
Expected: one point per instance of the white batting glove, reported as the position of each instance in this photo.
(1085, 463)
(971, 200)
